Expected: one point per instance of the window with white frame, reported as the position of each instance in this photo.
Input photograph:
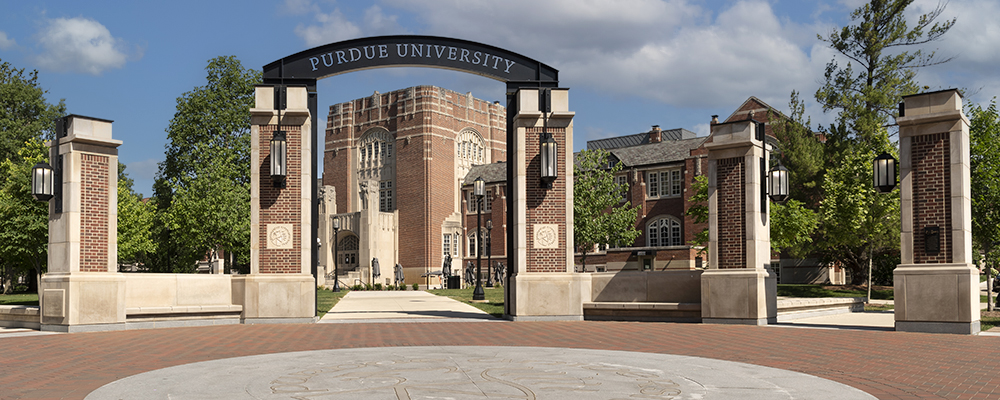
(446, 244)
(488, 201)
(622, 182)
(664, 231)
(472, 245)
(385, 196)
(458, 244)
(470, 204)
(664, 183)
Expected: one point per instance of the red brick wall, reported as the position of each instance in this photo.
(545, 206)
(94, 213)
(931, 195)
(731, 212)
(281, 206)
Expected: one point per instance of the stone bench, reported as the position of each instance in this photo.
(642, 311)
(792, 308)
(20, 317)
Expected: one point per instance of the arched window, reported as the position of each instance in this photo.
(347, 251)
(376, 162)
(664, 231)
(471, 148)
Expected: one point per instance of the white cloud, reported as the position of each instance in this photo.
(669, 51)
(80, 45)
(5, 42)
(335, 26)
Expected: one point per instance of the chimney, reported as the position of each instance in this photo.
(715, 119)
(654, 134)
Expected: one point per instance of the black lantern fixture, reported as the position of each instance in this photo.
(279, 159)
(884, 173)
(479, 190)
(777, 182)
(336, 273)
(42, 181)
(549, 160)
(489, 255)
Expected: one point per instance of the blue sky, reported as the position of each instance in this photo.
(628, 64)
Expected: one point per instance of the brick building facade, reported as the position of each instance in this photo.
(406, 153)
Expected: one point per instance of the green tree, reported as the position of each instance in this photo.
(24, 113)
(792, 227)
(867, 91)
(135, 223)
(25, 119)
(984, 147)
(599, 215)
(24, 222)
(203, 185)
(857, 222)
(699, 211)
(799, 150)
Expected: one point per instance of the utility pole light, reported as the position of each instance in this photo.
(336, 273)
(778, 183)
(884, 173)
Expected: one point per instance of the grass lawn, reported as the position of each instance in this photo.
(20, 299)
(494, 297)
(327, 299)
(878, 292)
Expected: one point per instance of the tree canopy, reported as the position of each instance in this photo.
(203, 186)
(599, 214)
(984, 138)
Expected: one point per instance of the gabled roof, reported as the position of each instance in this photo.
(495, 172)
(638, 139)
(741, 112)
(658, 153)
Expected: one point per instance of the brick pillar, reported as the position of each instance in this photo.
(280, 287)
(543, 286)
(738, 287)
(83, 290)
(936, 285)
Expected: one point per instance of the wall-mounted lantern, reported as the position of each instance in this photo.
(884, 173)
(777, 181)
(42, 181)
(279, 159)
(549, 160)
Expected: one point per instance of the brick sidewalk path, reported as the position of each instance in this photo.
(888, 365)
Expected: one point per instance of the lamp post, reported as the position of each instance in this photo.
(884, 181)
(489, 251)
(778, 183)
(336, 273)
(549, 155)
(42, 181)
(279, 162)
(479, 189)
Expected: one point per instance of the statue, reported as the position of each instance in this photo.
(446, 266)
(399, 274)
(498, 273)
(470, 273)
(375, 272)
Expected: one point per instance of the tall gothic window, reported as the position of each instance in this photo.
(376, 162)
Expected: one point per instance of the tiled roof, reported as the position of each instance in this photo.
(495, 172)
(657, 153)
(638, 139)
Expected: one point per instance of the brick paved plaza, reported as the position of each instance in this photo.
(888, 365)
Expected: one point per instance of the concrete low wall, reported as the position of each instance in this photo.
(680, 286)
(160, 294)
(645, 296)
(19, 317)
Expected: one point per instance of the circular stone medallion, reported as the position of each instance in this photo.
(409, 373)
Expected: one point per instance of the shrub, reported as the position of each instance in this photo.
(416, 286)
(378, 286)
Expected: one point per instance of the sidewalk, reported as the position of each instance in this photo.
(402, 306)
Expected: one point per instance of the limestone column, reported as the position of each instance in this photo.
(544, 286)
(738, 287)
(936, 285)
(83, 290)
(280, 287)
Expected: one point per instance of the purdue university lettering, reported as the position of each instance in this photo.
(405, 51)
